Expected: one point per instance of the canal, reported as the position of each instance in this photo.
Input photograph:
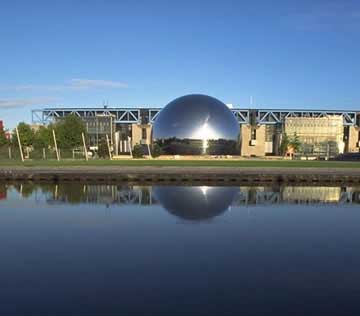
(98, 249)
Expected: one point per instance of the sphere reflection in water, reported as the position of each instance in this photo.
(195, 125)
(195, 203)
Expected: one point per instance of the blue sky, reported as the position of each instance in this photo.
(285, 54)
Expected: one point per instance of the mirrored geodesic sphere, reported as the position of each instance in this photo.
(196, 125)
(195, 203)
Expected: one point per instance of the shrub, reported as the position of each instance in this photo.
(284, 144)
(137, 151)
(103, 150)
(156, 150)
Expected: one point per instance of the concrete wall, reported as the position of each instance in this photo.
(136, 134)
(353, 139)
(246, 148)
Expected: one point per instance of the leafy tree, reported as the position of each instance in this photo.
(3, 139)
(72, 193)
(69, 130)
(26, 134)
(138, 151)
(43, 137)
(290, 142)
(103, 150)
(295, 143)
(284, 144)
(156, 150)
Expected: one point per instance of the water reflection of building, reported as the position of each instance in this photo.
(144, 195)
(303, 194)
(101, 194)
(297, 195)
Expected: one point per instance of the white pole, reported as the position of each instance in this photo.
(108, 144)
(147, 143)
(56, 148)
(111, 130)
(85, 150)
(129, 140)
(44, 154)
(19, 142)
(9, 152)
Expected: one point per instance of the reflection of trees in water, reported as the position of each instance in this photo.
(27, 189)
(177, 146)
(221, 146)
(72, 192)
(3, 191)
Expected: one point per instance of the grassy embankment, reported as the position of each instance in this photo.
(183, 163)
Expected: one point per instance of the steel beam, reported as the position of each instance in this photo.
(133, 115)
(269, 117)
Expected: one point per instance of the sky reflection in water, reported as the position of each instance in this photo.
(118, 250)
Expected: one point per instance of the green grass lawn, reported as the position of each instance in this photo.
(187, 163)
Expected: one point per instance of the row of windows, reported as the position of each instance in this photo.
(97, 124)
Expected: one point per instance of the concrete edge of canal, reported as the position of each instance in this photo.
(207, 175)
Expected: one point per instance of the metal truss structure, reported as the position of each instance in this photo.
(278, 116)
(148, 115)
(153, 113)
(120, 115)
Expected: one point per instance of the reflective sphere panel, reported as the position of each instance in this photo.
(195, 203)
(197, 124)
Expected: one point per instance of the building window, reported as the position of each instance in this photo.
(253, 133)
(144, 133)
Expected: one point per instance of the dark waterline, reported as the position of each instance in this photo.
(81, 249)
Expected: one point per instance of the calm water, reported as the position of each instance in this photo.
(72, 249)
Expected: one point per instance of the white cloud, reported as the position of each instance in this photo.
(72, 84)
(29, 87)
(90, 83)
(15, 103)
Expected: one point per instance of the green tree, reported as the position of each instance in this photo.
(156, 150)
(284, 144)
(103, 150)
(43, 137)
(3, 139)
(295, 143)
(138, 151)
(26, 134)
(69, 130)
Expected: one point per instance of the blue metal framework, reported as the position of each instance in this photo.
(134, 115)
(278, 116)
(121, 115)
(153, 113)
